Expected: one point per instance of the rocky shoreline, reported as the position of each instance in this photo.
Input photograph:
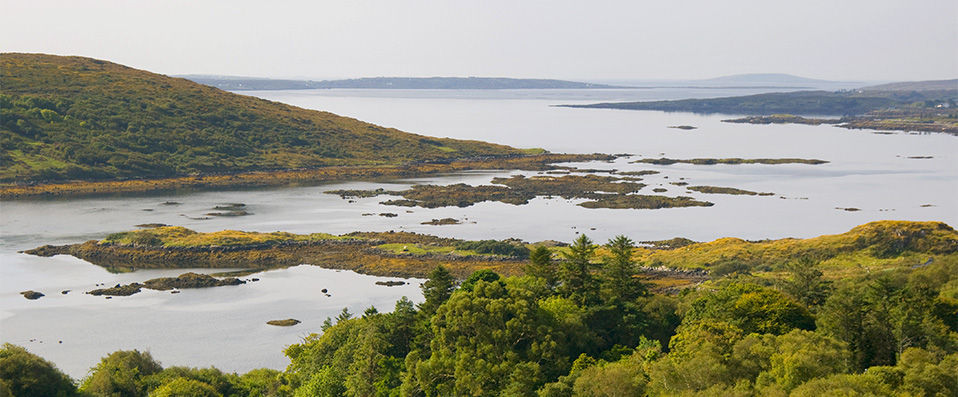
(537, 162)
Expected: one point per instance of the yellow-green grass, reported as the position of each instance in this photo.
(878, 244)
(176, 236)
(420, 249)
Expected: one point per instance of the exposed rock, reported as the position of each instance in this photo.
(390, 283)
(118, 290)
(32, 295)
(190, 280)
(443, 221)
(289, 322)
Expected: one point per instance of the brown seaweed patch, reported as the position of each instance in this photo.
(641, 201)
(151, 225)
(711, 161)
(638, 173)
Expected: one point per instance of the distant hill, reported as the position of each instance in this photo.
(929, 85)
(81, 118)
(800, 102)
(406, 83)
(831, 103)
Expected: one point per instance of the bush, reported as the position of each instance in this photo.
(495, 247)
(25, 374)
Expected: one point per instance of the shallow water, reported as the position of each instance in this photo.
(225, 326)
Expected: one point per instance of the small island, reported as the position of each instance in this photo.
(289, 322)
(730, 161)
(609, 192)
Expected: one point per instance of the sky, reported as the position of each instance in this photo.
(871, 40)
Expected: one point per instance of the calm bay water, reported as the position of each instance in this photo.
(225, 326)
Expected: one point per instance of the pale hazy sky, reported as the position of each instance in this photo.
(584, 39)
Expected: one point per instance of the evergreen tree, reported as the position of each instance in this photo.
(437, 290)
(619, 282)
(574, 275)
(541, 265)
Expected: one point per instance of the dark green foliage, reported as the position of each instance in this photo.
(490, 339)
(486, 275)
(437, 289)
(495, 247)
(122, 373)
(541, 265)
(25, 374)
(751, 309)
(619, 282)
(881, 316)
(575, 272)
(805, 284)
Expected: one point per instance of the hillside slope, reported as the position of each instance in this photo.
(67, 118)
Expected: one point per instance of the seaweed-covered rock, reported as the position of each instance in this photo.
(118, 290)
(190, 280)
(32, 295)
(289, 322)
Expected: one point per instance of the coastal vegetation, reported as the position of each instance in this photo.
(532, 162)
(579, 320)
(872, 246)
(73, 118)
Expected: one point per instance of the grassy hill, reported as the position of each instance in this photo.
(70, 118)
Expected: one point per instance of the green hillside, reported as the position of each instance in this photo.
(69, 118)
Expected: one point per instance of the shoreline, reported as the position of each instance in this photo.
(258, 179)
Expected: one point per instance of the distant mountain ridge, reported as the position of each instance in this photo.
(764, 79)
(406, 83)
